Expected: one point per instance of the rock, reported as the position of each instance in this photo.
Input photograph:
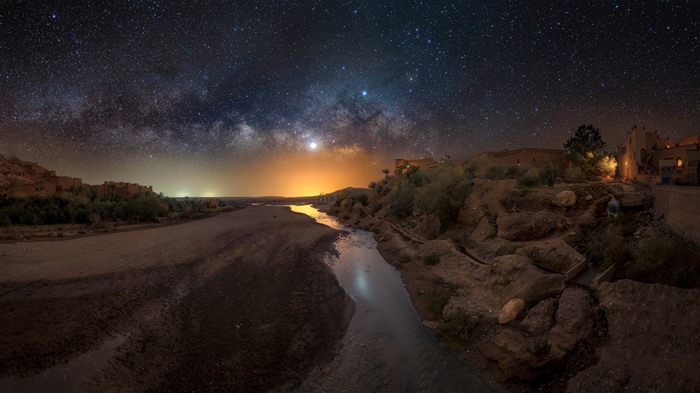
(484, 231)
(589, 197)
(574, 314)
(435, 247)
(588, 220)
(528, 225)
(564, 199)
(653, 336)
(472, 212)
(541, 286)
(540, 318)
(554, 255)
(635, 199)
(511, 311)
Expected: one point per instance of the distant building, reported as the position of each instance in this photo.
(648, 158)
(24, 178)
(524, 156)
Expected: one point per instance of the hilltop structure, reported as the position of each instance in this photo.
(527, 157)
(648, 158)
(23, 178)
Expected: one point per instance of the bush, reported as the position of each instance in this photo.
(514, 172)
(494, 173)
(548, 174)
(459, 325)
(542, 347)
(529, 180)
(401, 199)
(431, 259)
(444, 195)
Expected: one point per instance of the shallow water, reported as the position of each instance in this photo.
(386, 347)
(67, 377)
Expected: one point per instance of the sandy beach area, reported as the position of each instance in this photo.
(240, 301)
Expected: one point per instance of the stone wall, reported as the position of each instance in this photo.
(680, 208)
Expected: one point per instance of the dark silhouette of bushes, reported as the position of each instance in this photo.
(64, 209)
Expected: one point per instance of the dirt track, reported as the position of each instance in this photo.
(237, 302)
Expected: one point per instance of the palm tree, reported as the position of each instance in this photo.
(386, 171)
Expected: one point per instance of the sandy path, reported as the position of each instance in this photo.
(242, 300)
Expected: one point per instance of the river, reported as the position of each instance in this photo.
(386, 347)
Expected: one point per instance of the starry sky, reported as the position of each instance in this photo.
(223, 98)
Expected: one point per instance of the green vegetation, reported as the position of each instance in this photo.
(80, 208)
(460, 325)
(548, 174)
(660, 259)
(542, 347)
(586, 149)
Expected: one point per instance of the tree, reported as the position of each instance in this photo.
(386, 171)
(586, 149)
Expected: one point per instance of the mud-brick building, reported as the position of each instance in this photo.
(648, 158)
(530, 157)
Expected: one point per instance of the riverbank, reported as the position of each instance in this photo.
(502, 288)
(242, 300)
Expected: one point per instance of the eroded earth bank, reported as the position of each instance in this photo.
(507, 291)
(238, 302)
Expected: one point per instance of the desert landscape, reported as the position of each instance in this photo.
(504, 288)
(238, 302)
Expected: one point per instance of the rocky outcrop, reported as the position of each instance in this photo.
(565, 198)
(540, 318)
(472, 212)
(552, 255)
(651, 330)
(574, 320)
(484, 231)
(528, 225)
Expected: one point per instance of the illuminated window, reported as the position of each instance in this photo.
(679, 162)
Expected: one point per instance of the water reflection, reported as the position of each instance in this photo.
(386, 347)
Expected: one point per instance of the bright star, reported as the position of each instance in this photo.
(364, 93)
(313, 145)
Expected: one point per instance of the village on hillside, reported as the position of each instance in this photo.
(643, 157)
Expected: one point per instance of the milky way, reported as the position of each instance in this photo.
(167, 92)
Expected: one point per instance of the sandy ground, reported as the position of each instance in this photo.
(237, 302)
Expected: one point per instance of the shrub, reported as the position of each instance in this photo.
(459, 325)
(529, 180)
(548, 174)
(494, 173)
(401, 200)
(431, 259)
(514, 172)
(542, 347)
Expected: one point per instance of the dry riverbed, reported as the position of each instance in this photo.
(237, 302)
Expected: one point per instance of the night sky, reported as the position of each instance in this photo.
(300, 97)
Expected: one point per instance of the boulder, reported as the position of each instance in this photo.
(472, 211)
(554, 256)
(574, 314)
(528, 225)
(484, 231)
(511, 311)
(565, 198)
(540, 318)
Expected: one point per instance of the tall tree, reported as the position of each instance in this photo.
(586, 149)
